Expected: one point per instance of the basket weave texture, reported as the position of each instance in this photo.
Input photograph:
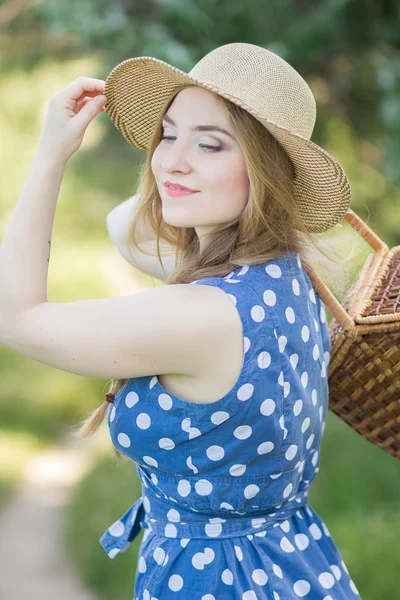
(364, 368)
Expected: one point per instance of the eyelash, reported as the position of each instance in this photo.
(213, 148)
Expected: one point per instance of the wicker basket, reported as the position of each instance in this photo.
(364, 368)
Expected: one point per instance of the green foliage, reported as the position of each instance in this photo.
(349, 53)
(106, 493)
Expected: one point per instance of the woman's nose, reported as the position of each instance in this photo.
(176, 157)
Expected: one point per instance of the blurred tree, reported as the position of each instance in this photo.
(347, 50)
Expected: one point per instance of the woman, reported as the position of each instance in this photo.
(220, 386)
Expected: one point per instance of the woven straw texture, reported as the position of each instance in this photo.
(364, 370)
(262, 83)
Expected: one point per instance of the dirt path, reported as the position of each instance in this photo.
(33, 561)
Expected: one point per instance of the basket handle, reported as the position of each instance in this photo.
(337, 310)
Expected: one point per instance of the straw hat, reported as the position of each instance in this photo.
(262, 83)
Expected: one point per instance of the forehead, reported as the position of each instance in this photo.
(195, 104)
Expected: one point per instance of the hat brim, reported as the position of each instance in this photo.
(138, 87)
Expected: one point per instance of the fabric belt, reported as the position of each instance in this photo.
(120, 535)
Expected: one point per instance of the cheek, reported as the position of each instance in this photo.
(234, 185)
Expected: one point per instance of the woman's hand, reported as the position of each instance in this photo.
(69, 113)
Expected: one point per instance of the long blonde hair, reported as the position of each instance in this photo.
(270, 224)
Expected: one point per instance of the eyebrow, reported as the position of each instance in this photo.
(201, 127)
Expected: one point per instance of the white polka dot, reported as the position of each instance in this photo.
(170, 530)
(112, 414)
(146, 503)
(243, 432)
(123, 440)
(304, 379)
(259, 576)
(326, 579)
(257, 313)
(142, 565)
(282, 341)
(173, 515)
(298, 407)
(286, 545)
(246, 344)
(310, 441)
(117, 528)
(305, 333)
(264, 360)
(353, 587)
(314, 397)
(301, 540)
(208, 597)
(322, 313)
(288, 489)
(289, 313)
(245, 391)
(285, 526)
(198, 561)
(203, 487)
(219, 417)
(267, 407)
(316, 325)
(166, 443)
(305, 425)
(258, 522)
(311, 293)
(286, 389)
(294, 359)
(143, 421)
(175, 583)
(337, 572)
(226, 505)
(315, 531)
(291, 452)
(165, 401)
(265, 447)
(301, 588)
(113, 552)
(215, 452)
(315, 352)
(227, 577)
(213, 529)
(184, 488)
(249, 595)
(150, 461)
(323, 369)
(159, 555)
(295, 287)
(237, 470)
(131, 399)
(277, 570)
(209, 555)
(269, 298)
(273, 270)
(251, 490)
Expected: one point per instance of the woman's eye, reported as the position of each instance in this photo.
(212, 148)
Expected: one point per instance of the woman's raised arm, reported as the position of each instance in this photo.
(118, 221)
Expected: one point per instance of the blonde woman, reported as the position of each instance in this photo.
(219, 389)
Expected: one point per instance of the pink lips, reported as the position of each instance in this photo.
(177, 190)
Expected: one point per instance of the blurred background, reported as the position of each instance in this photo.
(58, 497)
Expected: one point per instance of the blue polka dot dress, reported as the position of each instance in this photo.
(225, 484)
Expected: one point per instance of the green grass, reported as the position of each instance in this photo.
(16, 448)
(105, 494)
